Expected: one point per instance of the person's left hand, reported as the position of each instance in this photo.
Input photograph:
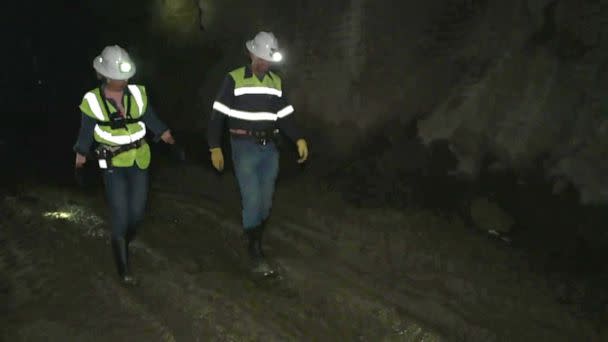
(167, 137)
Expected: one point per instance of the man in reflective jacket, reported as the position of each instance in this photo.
(252, 100)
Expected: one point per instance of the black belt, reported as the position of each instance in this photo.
(261, 137)
(107, 152)
(258, 134)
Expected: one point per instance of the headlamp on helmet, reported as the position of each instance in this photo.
(276, 55)
(125, 67)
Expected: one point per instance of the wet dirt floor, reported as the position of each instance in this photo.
(346, 273)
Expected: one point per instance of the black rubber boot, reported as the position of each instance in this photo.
(252, 234)
(130, 236)
(259, 265)
(260, 235)
(121, 257)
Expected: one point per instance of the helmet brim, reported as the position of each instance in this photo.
(249, 45)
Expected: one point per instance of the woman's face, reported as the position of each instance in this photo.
(117, 84)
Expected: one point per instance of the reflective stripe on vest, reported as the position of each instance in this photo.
(257, 90)
(271, 84)
(138, 98)
(95, 106)
(121, 139)
(243, 115)
(285, 111)
(91, 99)
(131, 132)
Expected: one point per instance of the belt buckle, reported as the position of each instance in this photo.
(261, 138)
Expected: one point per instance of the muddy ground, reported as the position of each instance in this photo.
(347, 273)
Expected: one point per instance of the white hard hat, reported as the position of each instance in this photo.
(265, 46)
(114, 63)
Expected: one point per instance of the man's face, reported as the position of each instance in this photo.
(259, 65)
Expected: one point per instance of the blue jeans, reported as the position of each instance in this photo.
(126, 192)
(256, 167)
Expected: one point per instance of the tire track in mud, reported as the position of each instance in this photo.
(411, 304)
(177, 305)
(205, 311)
(248, 301)
(434, 306)
(53, 293)
(24, 275)
(322, 294)
(113, 292)
(201, 294)
(169, 305)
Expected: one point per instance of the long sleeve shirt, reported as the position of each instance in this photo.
(246, 112)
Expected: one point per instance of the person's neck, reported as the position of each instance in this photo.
(107, 87)
(114, 90)
(257, 72)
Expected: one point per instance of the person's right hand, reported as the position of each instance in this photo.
(80, 160)
(217, 158)
(302, 150)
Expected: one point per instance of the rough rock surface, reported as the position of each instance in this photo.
(489, 216)
(521, 82)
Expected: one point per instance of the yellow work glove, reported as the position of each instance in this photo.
(302, 150)
(217, 158)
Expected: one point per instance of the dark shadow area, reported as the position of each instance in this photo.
(564, 240)
(50, 70)
(42, 87)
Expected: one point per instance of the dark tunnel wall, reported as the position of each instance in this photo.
(521, 83)
(42, 83)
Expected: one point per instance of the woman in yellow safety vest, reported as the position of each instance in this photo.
(116, 117)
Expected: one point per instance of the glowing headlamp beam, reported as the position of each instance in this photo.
(125, 67)
(277, 57)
